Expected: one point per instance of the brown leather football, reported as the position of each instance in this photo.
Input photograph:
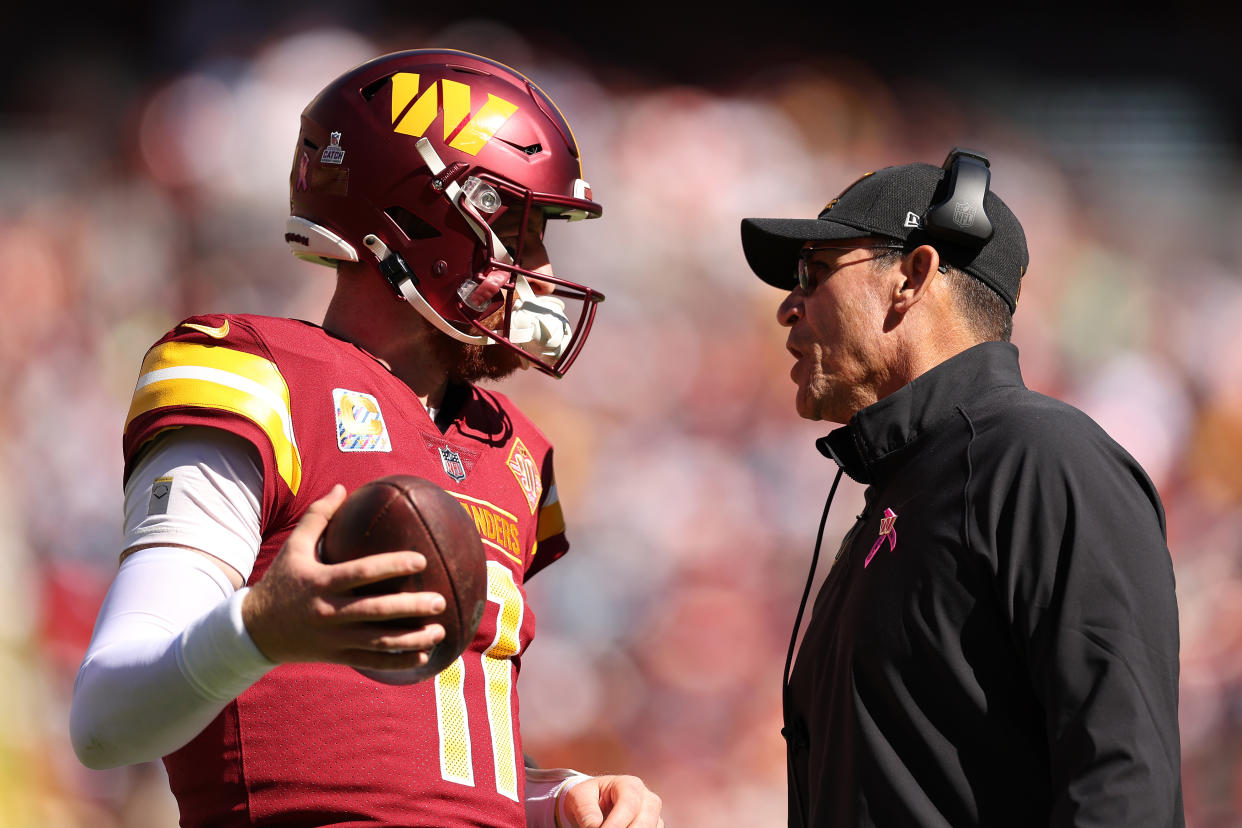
(405, 512)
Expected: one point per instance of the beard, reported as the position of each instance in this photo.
(471, 363)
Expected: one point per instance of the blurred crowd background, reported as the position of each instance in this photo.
(144, 168)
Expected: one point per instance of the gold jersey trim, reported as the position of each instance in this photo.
(211, 376)
(551, 519)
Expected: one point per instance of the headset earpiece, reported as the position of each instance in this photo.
(960, 217)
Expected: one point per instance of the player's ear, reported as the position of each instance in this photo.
(920, 268)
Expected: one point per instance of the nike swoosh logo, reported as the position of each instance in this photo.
(215, 333)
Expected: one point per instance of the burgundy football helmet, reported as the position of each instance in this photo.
(412, 158)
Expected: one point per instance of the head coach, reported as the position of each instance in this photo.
(996, 642)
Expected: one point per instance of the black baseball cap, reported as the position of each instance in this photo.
(895, 202)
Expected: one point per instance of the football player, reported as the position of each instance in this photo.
(428, 179)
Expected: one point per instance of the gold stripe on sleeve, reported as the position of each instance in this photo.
(206, 376)
(551, 520)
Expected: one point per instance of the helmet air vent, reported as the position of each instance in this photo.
(413, 226)
(372, 89)
(530, 149)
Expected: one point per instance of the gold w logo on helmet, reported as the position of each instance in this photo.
(472, 130)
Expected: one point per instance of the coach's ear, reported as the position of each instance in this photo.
(920, 268)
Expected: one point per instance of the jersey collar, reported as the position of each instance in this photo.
(880, 433)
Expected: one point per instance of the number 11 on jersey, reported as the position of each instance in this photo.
(456, 759)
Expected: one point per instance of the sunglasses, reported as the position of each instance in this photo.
(805, 254)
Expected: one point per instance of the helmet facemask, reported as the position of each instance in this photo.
(496, 304)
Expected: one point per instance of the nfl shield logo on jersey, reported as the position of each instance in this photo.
(457, 461)
(453, 466)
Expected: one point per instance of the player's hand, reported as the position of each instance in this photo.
(305, 610)
(612, 802)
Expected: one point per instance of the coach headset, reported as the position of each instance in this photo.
(960, 217)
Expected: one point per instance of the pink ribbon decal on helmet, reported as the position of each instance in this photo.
(303, 163)
(888, 531)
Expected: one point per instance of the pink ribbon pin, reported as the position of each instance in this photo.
(888, 531)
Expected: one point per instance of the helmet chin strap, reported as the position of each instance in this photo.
(411, 294)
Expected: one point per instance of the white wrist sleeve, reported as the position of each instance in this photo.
(545, 807)
(169, 651)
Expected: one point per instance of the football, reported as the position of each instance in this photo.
(405, 512)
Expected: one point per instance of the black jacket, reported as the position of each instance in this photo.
(1003, 649)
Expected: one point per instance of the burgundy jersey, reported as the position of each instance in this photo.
(320, 744)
